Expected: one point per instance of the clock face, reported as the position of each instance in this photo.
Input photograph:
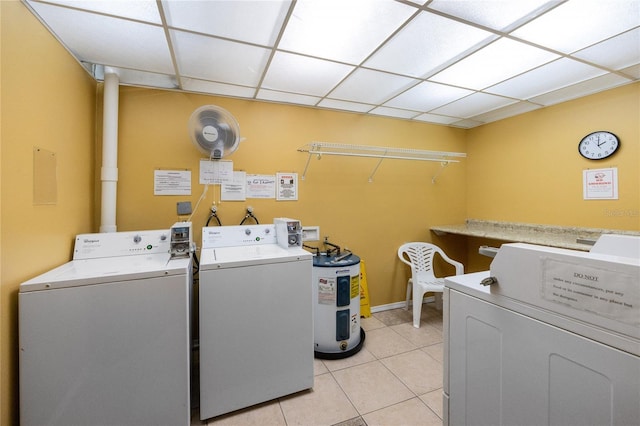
(598, 145)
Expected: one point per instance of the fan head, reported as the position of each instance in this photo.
(214, 131)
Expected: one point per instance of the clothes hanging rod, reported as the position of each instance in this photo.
(324, 148)
(321, 148)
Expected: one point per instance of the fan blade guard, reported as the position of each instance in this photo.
(214, 131)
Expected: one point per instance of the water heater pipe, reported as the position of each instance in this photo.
(109, 171)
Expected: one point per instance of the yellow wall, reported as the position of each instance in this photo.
(47, 101)
(372, 219)
(528, 169)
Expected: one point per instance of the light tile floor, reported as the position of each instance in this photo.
(395, 379)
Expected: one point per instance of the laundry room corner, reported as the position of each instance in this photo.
(48, 106)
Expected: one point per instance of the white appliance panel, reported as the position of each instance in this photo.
(241, 235)
(557, 281)
(256, 330)
(505, 368)
(116, 352)
(94, 271)
(119, 244)
(229, 257)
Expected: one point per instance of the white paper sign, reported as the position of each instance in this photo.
(215, 171)
(235, 190)
(600, 184)
(261, 186)
(607, 293)
(327, 291)
(171, 182)
(287, 186)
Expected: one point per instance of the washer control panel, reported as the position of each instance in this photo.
(110, 244)
(241, 235)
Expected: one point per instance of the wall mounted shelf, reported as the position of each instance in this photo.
(380, 152)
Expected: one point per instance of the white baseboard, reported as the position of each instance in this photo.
(397, 305)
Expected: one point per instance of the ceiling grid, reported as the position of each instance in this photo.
(459, 63)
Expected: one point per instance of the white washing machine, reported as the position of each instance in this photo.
(105, 338)
(256, 318)
(553, 338)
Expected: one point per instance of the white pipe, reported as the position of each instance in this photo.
(109, 171)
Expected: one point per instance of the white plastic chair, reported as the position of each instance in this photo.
(420, 257)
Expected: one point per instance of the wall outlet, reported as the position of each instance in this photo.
(310, 233)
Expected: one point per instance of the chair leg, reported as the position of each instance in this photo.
(418, 295)
(409, 285)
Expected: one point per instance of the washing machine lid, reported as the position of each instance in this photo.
(237, 256)
(77, 273)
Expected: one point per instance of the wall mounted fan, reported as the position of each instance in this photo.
(214, 131)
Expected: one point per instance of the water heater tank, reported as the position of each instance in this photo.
(336, 306)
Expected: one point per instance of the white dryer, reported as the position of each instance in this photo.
(105, 338)
(256, 318)
(552, 338)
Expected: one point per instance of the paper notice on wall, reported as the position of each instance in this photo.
(261, 186)
(287, 186)
(171, 182)
(600, 184)
(607, 293)
(215, 171)
(236, 189)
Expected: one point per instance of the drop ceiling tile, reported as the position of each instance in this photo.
(393, 112)
(473, 105)
(505, 112)
(304, 75)
(577, 24)
(598, 84)
(426, 96)
(141, 10)
(633, 71)
(250, 21)
(373, 87)
(497, 14)
(435, 118)
(552, 76)
(290, 98)
(425, 44)
(344, 31)
(209, 58)
(101, 39)
(201, 86)
(497, 62)
(344, 105)
(618, 52)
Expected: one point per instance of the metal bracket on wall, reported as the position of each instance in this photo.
(323, 148)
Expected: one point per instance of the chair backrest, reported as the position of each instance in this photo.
(419, 256)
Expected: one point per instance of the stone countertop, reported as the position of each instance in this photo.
(546, 235)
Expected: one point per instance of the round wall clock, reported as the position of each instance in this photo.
(598, 145)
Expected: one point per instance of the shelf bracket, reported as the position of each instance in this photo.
(306, 166)
(375, 169)
(443, 164)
